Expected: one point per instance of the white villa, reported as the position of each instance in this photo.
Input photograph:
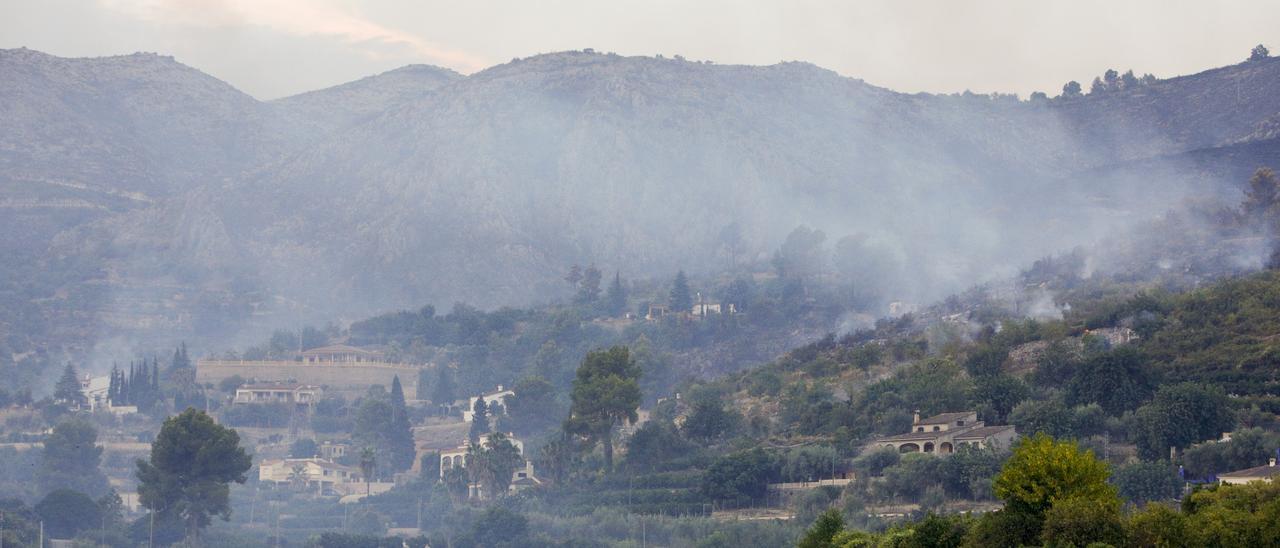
(325, 476)
(1266, 473)
(490, 398)
(944, 434)
(96, 390)
(299, 394)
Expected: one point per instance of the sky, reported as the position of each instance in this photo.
(275, 48)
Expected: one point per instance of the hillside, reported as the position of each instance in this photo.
(188, 209)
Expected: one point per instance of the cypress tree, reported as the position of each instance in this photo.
(616, 298)
(479, 421)
(681, 296)
(400, 436)
(112, 388)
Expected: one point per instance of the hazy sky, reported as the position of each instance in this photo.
(272, 48)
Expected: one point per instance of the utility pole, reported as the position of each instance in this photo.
(151, 538)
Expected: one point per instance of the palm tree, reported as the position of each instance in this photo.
(368, 462)
(298, 476)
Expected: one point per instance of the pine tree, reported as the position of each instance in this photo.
(589, 286)
(574, 276)
(606, 393)
(616, 298)
(681, 298)
(68, 388)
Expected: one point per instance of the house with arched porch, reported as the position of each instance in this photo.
(946, 433)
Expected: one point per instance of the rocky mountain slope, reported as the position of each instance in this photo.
(186, 205)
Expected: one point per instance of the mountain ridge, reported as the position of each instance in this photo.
(422, 185)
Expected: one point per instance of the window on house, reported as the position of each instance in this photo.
(921, 429)
(937, 428)
(959, 423)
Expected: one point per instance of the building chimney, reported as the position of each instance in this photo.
(499, 387)
(916, 418)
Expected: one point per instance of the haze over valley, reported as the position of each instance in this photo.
(595, 298)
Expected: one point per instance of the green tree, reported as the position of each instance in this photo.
(479, 420)
(1180, 415)
(616, 297)
(1042, 471)
(1247, 448)
(304, 448)
(1004, 528)
(1259, 52)
(998, 395)
(457, 483)
(739, 477)
(739, 293)
(192, 461)
(230, 384)
(1083, 521)
(1119, 380)
(824, 530)
(368, 466)
(375, 427)
(558, 458)
(1147, 481)
(401, 447)
(1158, 526)
(606, 393)
(65, 513)
(574, 276)
(874, 462)
(368, 522)
(499, 526)
(656, 442)
(493, 463)
(1071, 90)
(709, 420)
(429, 467)
(1048, 416)
(800, 255)
(112, 509)
(532, 407)
(443, 391)
(589, 286)
(70, 459)
(67, 390)
(681, 297)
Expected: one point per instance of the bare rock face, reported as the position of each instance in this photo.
(421, 185)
